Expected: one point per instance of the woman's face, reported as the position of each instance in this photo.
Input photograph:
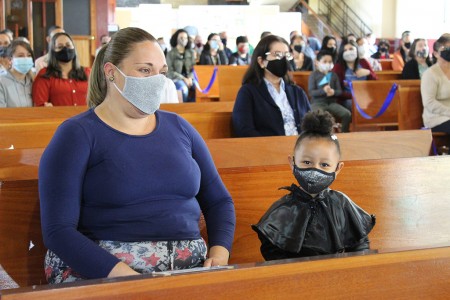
(21, 52)
(182, 36)
(277, 51)
(331, 43)
(438, 53)
(63, 41)
(144, 60)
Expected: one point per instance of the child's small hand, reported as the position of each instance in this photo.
(326, 88)
(330, 92)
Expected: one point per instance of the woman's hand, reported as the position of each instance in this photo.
(362, 72)
(48, 104)
(218, 256)
(122, 269)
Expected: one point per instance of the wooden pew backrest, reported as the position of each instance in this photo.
(22, 164)
(370, 95)
(21, 247)
(389, 75)
(419, 274)
(409, 197)
(410, 108)
(31, 134)
(204, 74)
(230, 81)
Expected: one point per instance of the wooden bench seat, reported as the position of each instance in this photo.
(409, 196)
(21, 164)
(370, 96)
(418, 274)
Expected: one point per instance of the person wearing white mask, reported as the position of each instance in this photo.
(213, 52)
(350, 67)
(122, 185)
(181, 61)
(363, 53)
(324, 89)
(16, 84)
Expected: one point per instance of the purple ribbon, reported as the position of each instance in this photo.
(210, 84)
(383, 108)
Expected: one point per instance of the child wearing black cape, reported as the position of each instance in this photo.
(314, 219)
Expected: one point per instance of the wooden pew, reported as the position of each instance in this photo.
(35, 114)
(386, 64)
(409, 196)
(410, 109)
(38, 133)
(370, 96)
(389, 75)
(301, 79)
(230, 81)
(204, 74)
(418, 274)
(22, 164)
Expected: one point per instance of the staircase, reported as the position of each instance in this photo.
(334, 17)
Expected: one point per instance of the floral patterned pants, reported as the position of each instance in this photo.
(143, 257)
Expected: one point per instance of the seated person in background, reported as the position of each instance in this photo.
(383, 50)
(241, 57)
(351, 37)
(363, 53)
(314, 43)
(42, 62)
(198, 47)
(64, 82)
(313, 219)
(104, 39)
(371, 42)
(122, 185)
(435, 88)
(181, 61)
(5, 63)
(401, 56)
(301, 61)
(213, 53)
(419, 62)
(264, 34)
(268, 104)
(224, 39)
(324, 89)
(329, 44)
(15, 86)
(349, 68)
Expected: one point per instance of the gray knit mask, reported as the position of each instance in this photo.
(145, 93)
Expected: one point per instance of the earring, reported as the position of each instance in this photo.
(111, 78)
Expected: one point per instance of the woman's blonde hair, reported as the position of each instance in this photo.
(120, 46)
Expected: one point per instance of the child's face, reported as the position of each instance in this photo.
(325, 63)
(319, 153)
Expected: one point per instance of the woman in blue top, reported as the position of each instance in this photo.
(268, 104)
(122, 186)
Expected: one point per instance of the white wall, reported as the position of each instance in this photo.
(161, 20)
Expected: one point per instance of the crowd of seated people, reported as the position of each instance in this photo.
(57, 78)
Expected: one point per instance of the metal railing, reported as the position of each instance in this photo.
(342, 18)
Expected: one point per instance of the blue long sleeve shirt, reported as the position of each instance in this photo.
(96, 183)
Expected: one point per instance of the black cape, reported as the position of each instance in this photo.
(298, 225)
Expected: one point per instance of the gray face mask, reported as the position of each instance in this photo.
(145, 93)
(313, 180)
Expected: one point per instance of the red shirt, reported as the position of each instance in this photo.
(59, 92)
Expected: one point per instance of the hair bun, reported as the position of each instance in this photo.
(318, 122)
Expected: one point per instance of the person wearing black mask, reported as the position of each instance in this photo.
(435, 88)
(329, 45)
(401, 56)
(301, 61)
(224, 38)
(383, 50)
(64, 82)
(268, 103)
